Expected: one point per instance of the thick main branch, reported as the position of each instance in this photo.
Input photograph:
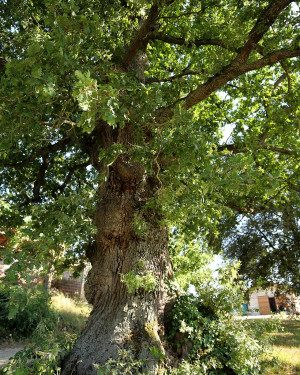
(227, 74)
(262, 25)
(40, 179)
(137, 41)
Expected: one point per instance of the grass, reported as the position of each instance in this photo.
(69, 318)
(72, 314)
(287, 349)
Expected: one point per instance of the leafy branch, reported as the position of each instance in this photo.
(239, 65)
(237, 149)
(42, 152)
(264, 22)
(174, 77)
(228, 73)
(70, 174)
(138, 40)
(192, 43)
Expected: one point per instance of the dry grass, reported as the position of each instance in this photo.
(70, 318)
(72, 314)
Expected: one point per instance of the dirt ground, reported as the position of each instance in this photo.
(6, 353)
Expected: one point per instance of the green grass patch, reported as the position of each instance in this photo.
(286, 346)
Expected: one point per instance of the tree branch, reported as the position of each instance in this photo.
(137, 42)
(40, 179)
(228, 73)
(287, 75)
(260, 146)
(262, 25)
(292, 186)
(280, 80)
(241, 210)
(256, 226)
(2, 62)
(71, 172)
(172, 78)
(41, 152)
(238, 66)
(182, 15)
(275, 149)
(271, 58)
(194, 43)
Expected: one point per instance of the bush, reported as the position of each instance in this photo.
(217, 344)
(209, 337)
(44, 357)
(21, 310)
(59, 320)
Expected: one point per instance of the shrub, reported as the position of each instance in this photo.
(57, 327)
(42, 357)
(209, 337)
(21, 310)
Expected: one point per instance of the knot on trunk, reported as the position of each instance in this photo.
(125, 174)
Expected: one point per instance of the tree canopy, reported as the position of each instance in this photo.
(204, 66)
(266, 243)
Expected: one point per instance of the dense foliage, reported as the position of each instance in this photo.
(57, 325)
(21, 311)
(63, 59)
(208, 335)
(203, 324)
(267, 244)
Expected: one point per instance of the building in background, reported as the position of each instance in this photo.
(267, 301)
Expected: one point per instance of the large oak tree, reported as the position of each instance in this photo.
(111, 121)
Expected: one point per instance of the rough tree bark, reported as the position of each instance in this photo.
(120, 319)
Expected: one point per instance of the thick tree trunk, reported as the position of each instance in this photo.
(129, 239)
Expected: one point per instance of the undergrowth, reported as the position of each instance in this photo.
(201, 328)
(58, 323)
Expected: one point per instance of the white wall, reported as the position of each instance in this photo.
(254, 305)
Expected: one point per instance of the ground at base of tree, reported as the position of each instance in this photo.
(7, 353)
(286, 343)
